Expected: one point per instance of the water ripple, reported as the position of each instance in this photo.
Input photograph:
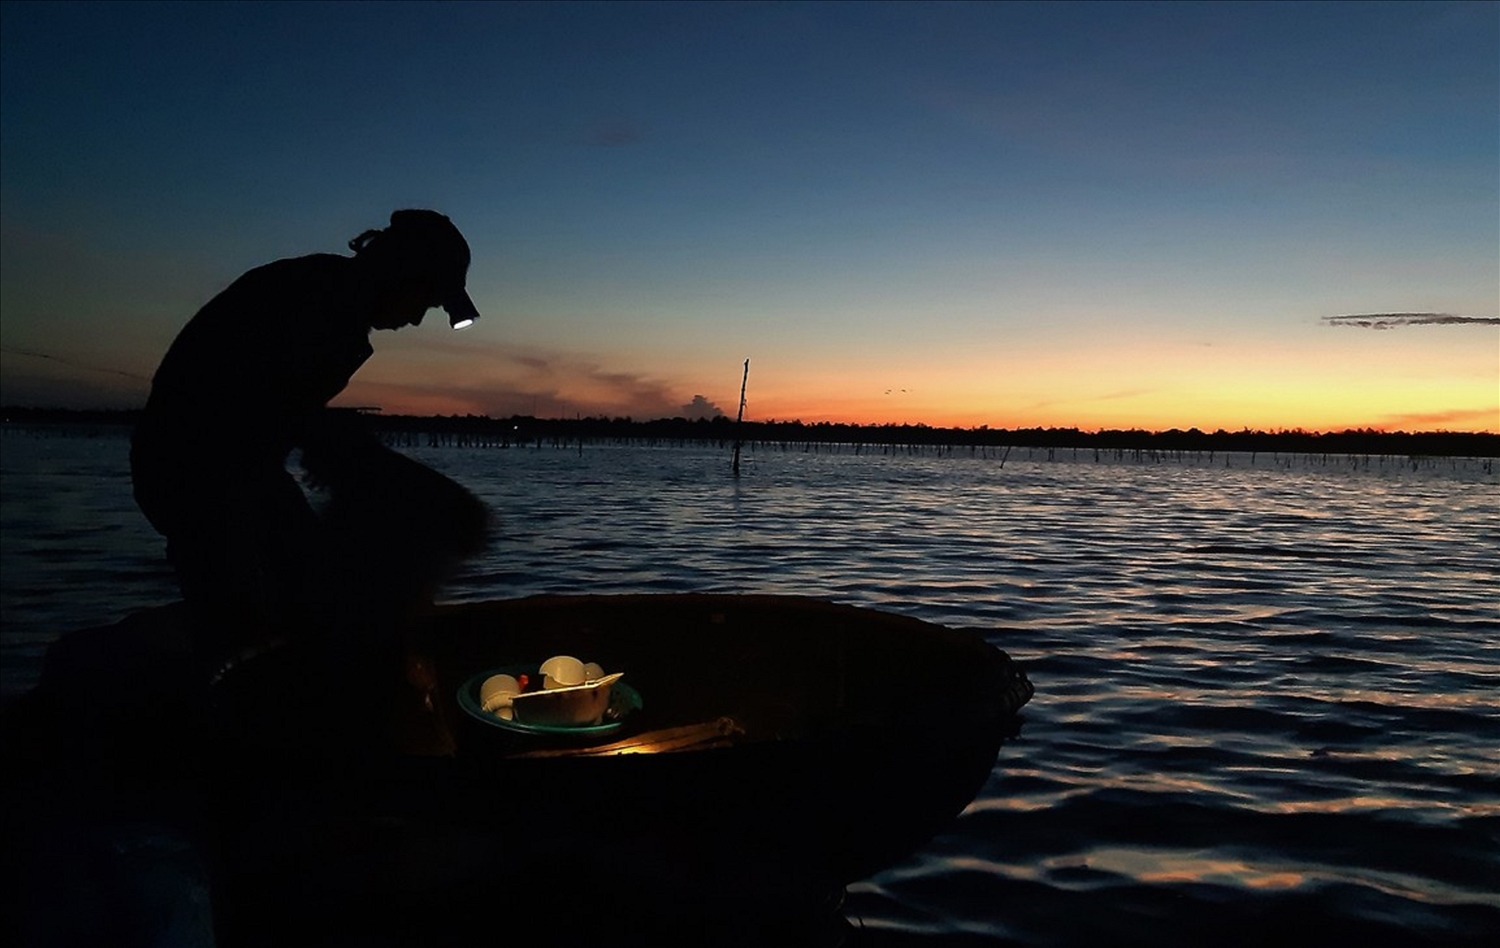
(1265, 704)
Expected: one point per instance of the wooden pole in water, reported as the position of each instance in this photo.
(738, 419)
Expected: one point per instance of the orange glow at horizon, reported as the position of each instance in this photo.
(1324, 380)
(393, 400)
(1150, 411)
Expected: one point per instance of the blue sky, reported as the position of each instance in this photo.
(1086, 214)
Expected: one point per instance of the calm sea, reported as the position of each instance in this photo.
(1266, 707)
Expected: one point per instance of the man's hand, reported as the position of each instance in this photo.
(337, 444)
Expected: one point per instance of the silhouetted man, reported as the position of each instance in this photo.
(245, 383)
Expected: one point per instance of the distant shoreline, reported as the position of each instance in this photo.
(517, 430)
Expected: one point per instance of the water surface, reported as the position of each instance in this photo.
(1265, 708)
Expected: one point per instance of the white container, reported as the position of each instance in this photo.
(497, 691)
(578, 706)
(562, 671)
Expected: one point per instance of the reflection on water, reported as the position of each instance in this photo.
(1174, 867)
(1265, 691)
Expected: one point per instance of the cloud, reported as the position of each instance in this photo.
(30, 391)
(1392, 320)
(1117, 395)
(45, 380)
(73, 363)
(1465, 418)
(700, 408)
(612, 135)
(447, 375)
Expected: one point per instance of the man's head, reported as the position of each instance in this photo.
(419, 261)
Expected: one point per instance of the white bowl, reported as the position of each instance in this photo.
(497, 691)
(562, 671)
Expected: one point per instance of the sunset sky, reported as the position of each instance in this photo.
(1087, 215)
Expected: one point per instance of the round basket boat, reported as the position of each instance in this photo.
(779, 748)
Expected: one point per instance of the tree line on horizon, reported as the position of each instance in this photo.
(527, 429)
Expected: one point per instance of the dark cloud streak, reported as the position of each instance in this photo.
(1392, 320)
(71, 363)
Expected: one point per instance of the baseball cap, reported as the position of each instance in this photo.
(431, 243)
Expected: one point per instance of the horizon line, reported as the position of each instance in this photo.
(375, 412)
